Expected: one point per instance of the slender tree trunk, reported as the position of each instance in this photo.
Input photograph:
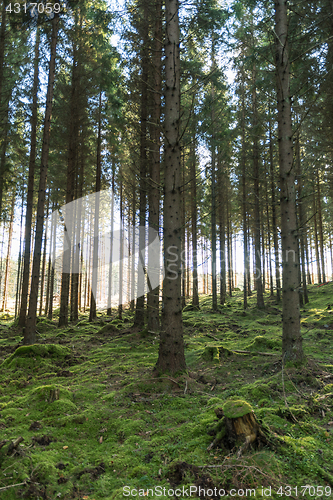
(132, 305)
(121, 253)
(221, 180)
(291, 338)
(171, 356)
(93, 298)
(154, 194)
(244, 195)
(70, 190)
(3, 111)
(213, 227)
(19, 260)
(183, 234)
(271, 285)
(44, 262)
(30, 328)
(315, 230)
(109, 309)
(258, 265)
(52, 276)
(31, 175)
(9, 247)
(301, 217)
(320, 228)
(139, 318)
(194, 215)
(274, 218)
(229, 243)
(308, 259)
(49, 266)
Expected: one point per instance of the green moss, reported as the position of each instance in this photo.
(236, 408)
(261, 343)
(48, 393)
(38, 350)
(59, 408)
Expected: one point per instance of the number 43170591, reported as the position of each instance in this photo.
(34, 8)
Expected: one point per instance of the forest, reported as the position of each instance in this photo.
(166, 259)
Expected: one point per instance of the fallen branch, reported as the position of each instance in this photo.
(254, 353)
(12, 486)
(212, 337)
(14, 444)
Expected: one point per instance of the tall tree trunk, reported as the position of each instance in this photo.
(49, 267)
(257, 236)
(291, 338)
(274, 222)
(183, 233)
(154, 193)
(139, 318)
(44, 261)
(171, 356)
(121, 252)
(320, 228)
(315, 230)
(222, 197)
(30, 327)
(132, 305)
(93, 298)
(213, 215)
(229, 244)
(301, 229)
(194, 215)
(244, 195)
(30, 195)
(109, 308)
(9, 247)
(3, 111)
(271, 285)
(19, 260)
(52, 277)
(70, 190)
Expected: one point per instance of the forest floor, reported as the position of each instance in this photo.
(96, 424)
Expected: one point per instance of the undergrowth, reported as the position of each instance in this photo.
(93, 419)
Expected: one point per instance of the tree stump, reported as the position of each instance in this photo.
(237, 426)
(242, 428)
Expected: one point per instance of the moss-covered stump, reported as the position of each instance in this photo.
(38, 350)
(237, 426)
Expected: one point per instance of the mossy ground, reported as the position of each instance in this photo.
(95, 419)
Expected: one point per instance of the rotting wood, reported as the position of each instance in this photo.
(237, 427)
(14, 444)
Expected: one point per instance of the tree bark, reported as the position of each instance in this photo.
(139, 318)
(154, 193)
(194, 215)
(9, 247)
(301, 217)
(30, 195)
(93, 298)
(244, 194)
(30, 328)
(274, 221)
(213, 215)
(291, 337)
(222, 197)
(109, 308)
(171, 356)
(70, 186)
(44, 261)
(258, 264)
(320, 228)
